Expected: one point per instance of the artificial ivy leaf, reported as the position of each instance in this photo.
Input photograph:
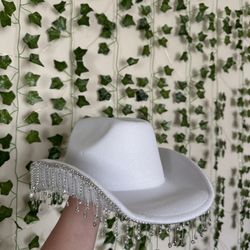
(110, 222)
(160, 108)
(166, 29)
(33, 136)
(85, 9)
(181, 85)
(9, 7)
(127, 79)
(34, 243)
(127, 109)
(180, 5)
(107, 26)
(200, 16)
(60, 65)
(58, 103)
(30, 217)
(168, 71)
(103, 95)
(142, 81)
(35, 18)
(32, 97)
(163, 42)
(165, 125)
(80, 68)
(83, 20)
(109, 238)
(56, 83)
(132, 61)
(199, 110)
(203, 125)
(105, 79)
(179, 97)
(165, 6)
(7, 97)
(54, 153)
(179, 137)
(32, 118)
(5, 20)
(60, 23)
(143, 113)
(146, 50)
(34, 58)
(56, 140)
(36, 1)
(31, 40)
(130, 92)
(141, 95)
(5, 141)
(148, 34)
(56, 119)
(108, 111)
(5, 116)
(201, 36)
(53, 33)
(145, 10)
(161, 138)
(163, 234)
(165, 93)
(4, 156)
(81, 101)
(31, 79)
(184, 56)
(204, 71)
(5, 61)
(229, 63)
(5, 187)
(143, 24)
(126, 4)
(5, 212)
(200, 138)
(60, 7)
(202, 163)
(127, 20)
(199, 47)
(81, 84)
(79, 53)
(142, 243)
(103, 48)
(5, 82)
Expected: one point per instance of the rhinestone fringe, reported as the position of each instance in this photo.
(53, 182)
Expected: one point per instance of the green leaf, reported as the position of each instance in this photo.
(80, 68)
(5, 187)
(5, 212)
(132, 61)
(160, 108)
(143, 24)
(32, 97)
(5, 20)
(143, 113)
(127, 109)
(31, 40)
(165, 125)
(180, 5)
(179, 137)
(181, 84)
(145, 50)
(142, 81)
(4, 156)
(34, 58)
(161, 138)
(79, 53)
(108, 111)
(31, 79)
(81, 84)
(161, 83)
(60, 23)
(166, 29)
(202, 163)
(229, 63)
(5, 82)
(34, 243)
(145, 10)
(58, 103)
(165, 6)
(53, 34)
(54, 153)
(83, 20)
(56, 140)
(127, 79)
(35, 18)
(127, 20)
(60, 7)
(81, 101)
(60, 65)
(7, 97)
(141, 95)
(35, 2)
(130, 92)
(110, 222)
(126, 4)
(184, 56)
(5, 141)
(199, 110)
(56, 119)
(202, 36)
(9, 7)
(5, 116)
(32, 118)
(179, 97)
(56, 83)
(103, 94)
(33, 136)
(30, 217)
(163, 234)
(5, 61)
(200, 139)
(165, 93)
(105, 79)
(85, 9)
(168, 71)
(203, 125)
(103, 48)
(163, 42)
(109, 238)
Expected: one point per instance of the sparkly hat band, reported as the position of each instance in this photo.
(53, 182)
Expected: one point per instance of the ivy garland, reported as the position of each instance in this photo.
(189, 94)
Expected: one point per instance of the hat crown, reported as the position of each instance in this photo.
(120, 153)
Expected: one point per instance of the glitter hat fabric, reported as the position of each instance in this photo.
(116, 164)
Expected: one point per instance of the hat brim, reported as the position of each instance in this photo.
(185, 194)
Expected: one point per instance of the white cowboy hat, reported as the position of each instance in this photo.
(116, 163)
